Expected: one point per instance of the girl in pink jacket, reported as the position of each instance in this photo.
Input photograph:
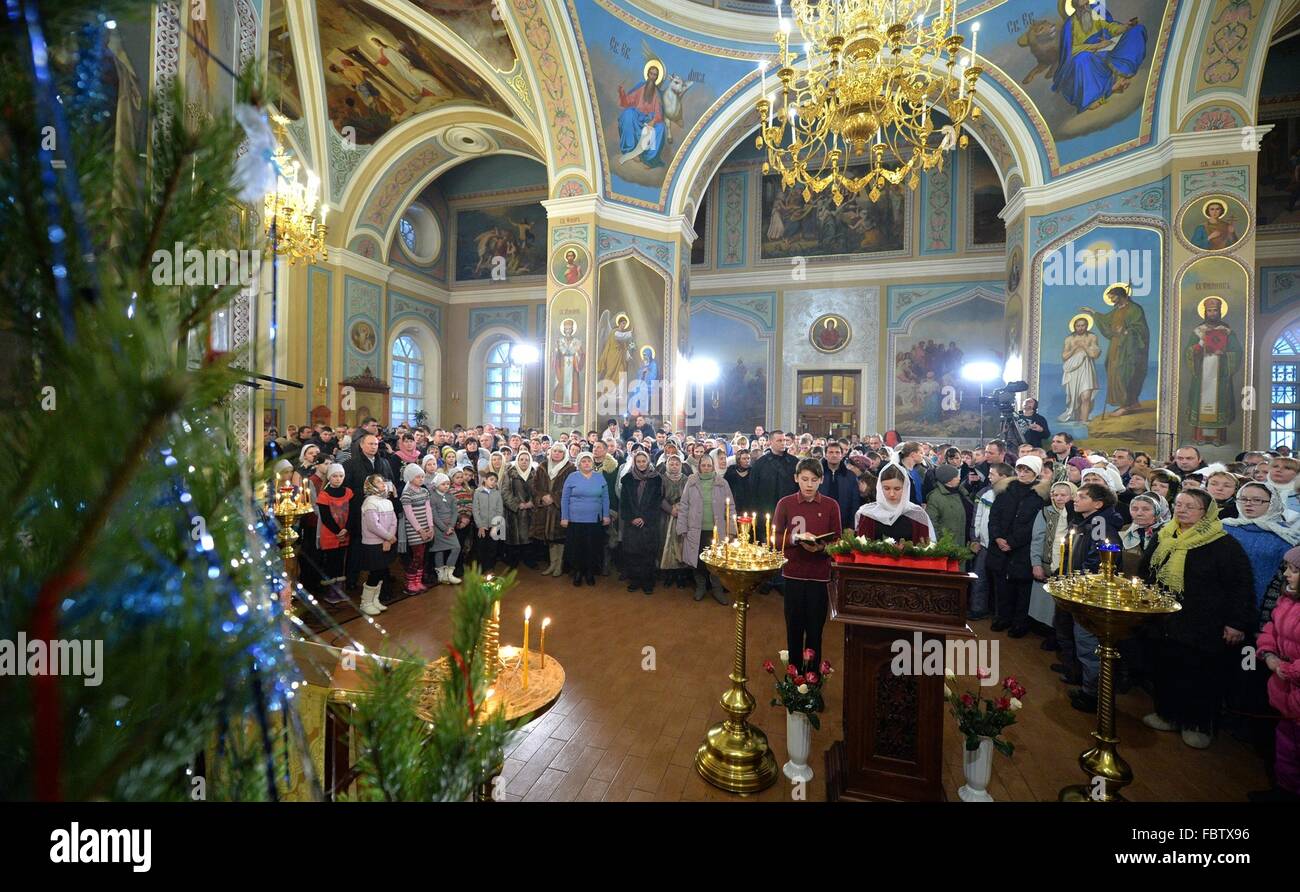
(1279, 647)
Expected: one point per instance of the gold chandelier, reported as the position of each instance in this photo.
(290, 210)
(870, 78)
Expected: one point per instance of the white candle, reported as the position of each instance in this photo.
(762, 74)
(954, 16)
(974, 40)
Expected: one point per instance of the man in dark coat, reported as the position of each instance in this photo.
(839, 483)
(774, 476)
(366, 461)
(1009, 563)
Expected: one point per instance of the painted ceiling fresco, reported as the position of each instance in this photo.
(380, 72)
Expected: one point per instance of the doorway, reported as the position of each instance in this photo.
(828, 403)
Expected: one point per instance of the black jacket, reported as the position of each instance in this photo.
(1218, 591)
(355, 473)
(1037, 438)
(641, 541)
(742, 490)
(1098, 527)
(842, 486)
(1012, 518)
(773, 479)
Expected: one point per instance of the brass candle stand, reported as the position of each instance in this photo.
(735, 755)
(1110, 607)
(289, 504)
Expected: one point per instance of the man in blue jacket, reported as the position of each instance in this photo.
(840, 484)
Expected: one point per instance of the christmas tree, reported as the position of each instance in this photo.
(138, 554)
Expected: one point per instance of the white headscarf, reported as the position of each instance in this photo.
(524, 472)
(1110, 477)
(554, 467)
(884, 513)
(1273, 520)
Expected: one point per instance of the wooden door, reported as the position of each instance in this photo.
(828, 403)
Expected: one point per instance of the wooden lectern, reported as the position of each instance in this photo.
(893, 724)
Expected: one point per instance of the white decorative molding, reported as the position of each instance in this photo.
(613, 215)
(846, 275)
(1151, 163)
(1287, 249)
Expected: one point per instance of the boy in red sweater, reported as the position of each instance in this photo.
(799, 518)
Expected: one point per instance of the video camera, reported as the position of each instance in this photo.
(1003, 397)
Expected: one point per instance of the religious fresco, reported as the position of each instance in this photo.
(126, 62)
(1085, 66)
(208, 88)
(791, 227)
(630, 338)
(986, 201)
(569, 364)
(379, 72)
(281, 69)
(1213, 222)
(570, 263)
(738, 399)
(1098, 369)
(649, 92)
(510, 239)
(931, 398)
(1213, 300)
(477, 23)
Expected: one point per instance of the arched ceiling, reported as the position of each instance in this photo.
(400, 73)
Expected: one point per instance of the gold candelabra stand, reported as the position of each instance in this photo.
(289, 504)
(735, 755)
(1110, 607)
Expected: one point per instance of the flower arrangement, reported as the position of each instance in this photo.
(945, 550)
(800, 690)
(984, 717)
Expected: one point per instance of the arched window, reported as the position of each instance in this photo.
(407, 230)
(408, 379)
(503, 393)
(1284, 389)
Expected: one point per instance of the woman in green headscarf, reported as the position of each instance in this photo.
(1210, 574)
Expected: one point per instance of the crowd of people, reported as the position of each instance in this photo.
(642, 502)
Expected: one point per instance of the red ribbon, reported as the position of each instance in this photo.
(469, 682)
(45, 702)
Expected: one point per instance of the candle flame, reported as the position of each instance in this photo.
(528, 612)
(546, 622)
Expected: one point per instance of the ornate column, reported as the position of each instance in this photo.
(615, 325)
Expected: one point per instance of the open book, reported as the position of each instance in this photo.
(809, 537)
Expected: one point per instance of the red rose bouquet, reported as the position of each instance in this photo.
(984, 717)
(800, 690)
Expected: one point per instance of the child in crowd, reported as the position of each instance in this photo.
(490, 519)
(1278, 647)
(416, 528)
(332, 505)
(446, 547)
(378, 536)
(463, 483)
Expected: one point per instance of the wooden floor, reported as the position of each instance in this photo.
(621, 732)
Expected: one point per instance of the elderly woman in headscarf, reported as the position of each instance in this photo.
(640, 509)
(673, 481)
(1149, 513)
(1044, 548)
(893, 515)
(1262, 530)
(1210, 574)
(703, 510)
(548, 488)
(584, 514)
(517, 495)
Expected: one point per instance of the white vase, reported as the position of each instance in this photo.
(798, 743)
(978, 767)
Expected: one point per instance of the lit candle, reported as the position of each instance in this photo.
(528, 615)
(545, 622)
(1060, 570)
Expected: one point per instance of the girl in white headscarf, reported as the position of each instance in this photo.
(893, 515)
